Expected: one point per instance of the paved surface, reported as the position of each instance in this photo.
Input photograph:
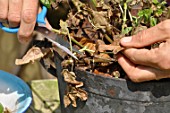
(45, 97)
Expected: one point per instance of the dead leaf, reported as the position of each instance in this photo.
(87, 43)
(82, 94)
(73, 91)
(64, 27)
(116, 74)
(33, 54)
(70, 78)
(103, 56)
(73, 20)
(101, 73)
(117, 39)
(89, 30)
(66, 63)
(100, 19)
(73, 94)
(73, 99)
(67, 101)
(110, 47)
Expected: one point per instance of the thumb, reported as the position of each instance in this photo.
(147, 37)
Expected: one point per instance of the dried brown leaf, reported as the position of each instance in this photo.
(70, 77)
(78, 4)
(66, 63)
(101, 73)
(82, 94)
(110, 47)
(103, 59)
(116, 74)
(33, 54)
(117, 39)
(89, 30)
(67, 101)
(73, 20)
(89, 44)
(64, 27)
(73, 98)
(103, 56)
(100, 19)
(74, 94)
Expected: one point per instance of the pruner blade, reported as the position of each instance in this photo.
(51, 36)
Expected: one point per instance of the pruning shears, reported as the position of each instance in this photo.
(51, 36)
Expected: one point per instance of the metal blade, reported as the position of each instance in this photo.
(55, 39)
(58, 38)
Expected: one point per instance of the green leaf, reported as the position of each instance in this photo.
(1, 108)
(140, 13)
(155, 1)
(163, 3)
(127, 30)
(159, 12)
(46, 3)
(153, 21)
(147, 13)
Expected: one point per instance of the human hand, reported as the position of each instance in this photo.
(20, 12)
(143, 64)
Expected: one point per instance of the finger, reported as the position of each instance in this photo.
(28, 20)
(143, 56)
(155, 57)
(14, 14)
(3, 10)
(140, 73)
(147, 37)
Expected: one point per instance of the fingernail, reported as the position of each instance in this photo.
(126, 39)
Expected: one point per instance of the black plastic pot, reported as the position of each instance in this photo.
(110, 95)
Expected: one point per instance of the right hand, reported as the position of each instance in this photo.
(141, 64)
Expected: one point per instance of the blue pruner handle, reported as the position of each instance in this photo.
(40, 19)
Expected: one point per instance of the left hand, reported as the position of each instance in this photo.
(143, 64)
(20, 12)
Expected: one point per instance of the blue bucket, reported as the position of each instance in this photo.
(15, 95)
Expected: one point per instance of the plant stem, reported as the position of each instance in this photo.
(108, 38)
(76, 42)
(124, 17)
(84, 48)
(71, 47)
(121, 9)
(131, 19)
(59, 32)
